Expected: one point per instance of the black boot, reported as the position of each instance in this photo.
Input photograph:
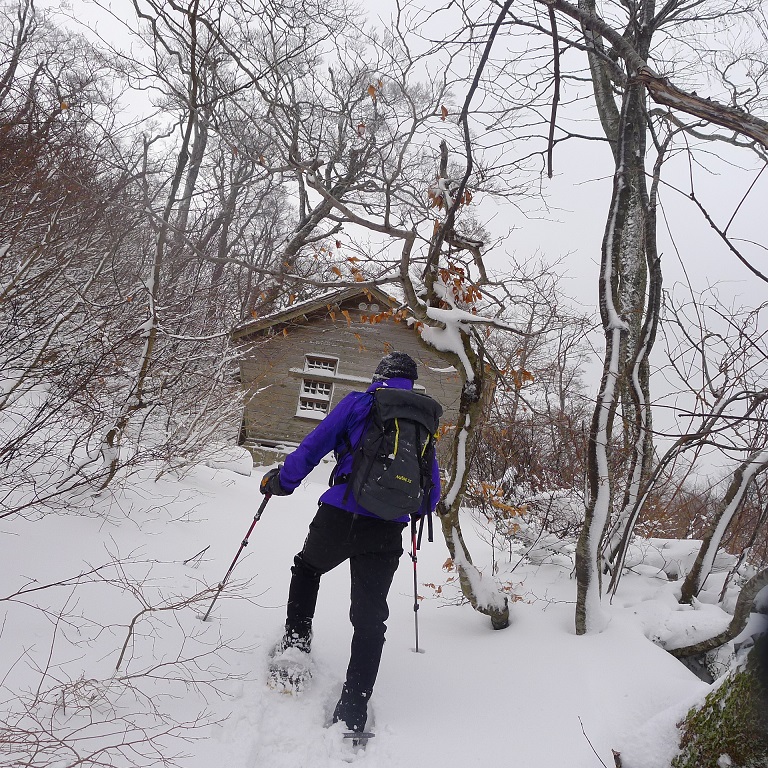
(352, 709)
(294, 638)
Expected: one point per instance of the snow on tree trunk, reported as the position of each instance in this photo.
(589, 615)
(734, 497)
(484, 598)
(628, 253)
(641, 472)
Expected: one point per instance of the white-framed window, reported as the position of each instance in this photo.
(321, 363)
(315, 395)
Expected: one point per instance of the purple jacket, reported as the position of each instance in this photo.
(346, 421)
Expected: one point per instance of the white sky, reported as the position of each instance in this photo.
(578, 196)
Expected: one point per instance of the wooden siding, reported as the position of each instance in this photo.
(272, 388)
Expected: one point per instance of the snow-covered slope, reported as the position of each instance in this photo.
(533, 695)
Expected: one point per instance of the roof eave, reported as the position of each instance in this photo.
(309, 307)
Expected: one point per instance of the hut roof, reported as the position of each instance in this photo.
(311, 306)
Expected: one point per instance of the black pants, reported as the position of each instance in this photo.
(373, 548)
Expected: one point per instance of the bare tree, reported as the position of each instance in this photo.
(629, 245)
(717, 354)
(63, 229)
(626, 48)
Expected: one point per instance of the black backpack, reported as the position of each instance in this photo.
(392, 469)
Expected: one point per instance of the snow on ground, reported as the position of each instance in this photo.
(533, 695)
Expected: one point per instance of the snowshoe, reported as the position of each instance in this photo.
(289, 670)
(359, 739)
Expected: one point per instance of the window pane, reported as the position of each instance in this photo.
(317, 406)
(315, 363)
(317, 388)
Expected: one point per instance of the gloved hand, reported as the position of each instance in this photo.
(270, 483)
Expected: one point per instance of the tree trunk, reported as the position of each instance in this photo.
(734, 497)
(744, 606)
(617, 330)
(482, 598)
(629, 331)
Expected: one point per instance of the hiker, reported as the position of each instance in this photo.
(343, 530)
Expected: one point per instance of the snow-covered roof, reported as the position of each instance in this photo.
(308, 306)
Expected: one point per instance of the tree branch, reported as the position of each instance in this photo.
(659, 88)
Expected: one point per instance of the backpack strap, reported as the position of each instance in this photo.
(340, 453)
(357, 449)
(425, 459)
(347, 448)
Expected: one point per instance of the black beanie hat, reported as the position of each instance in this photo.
(396, 365)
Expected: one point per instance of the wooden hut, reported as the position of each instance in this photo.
(296, 364)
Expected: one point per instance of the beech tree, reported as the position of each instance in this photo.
(631, 270)
(645, 111)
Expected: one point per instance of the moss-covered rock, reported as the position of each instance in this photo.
(730, 729)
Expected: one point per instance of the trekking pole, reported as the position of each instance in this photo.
(414, 558)
(243, 545)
